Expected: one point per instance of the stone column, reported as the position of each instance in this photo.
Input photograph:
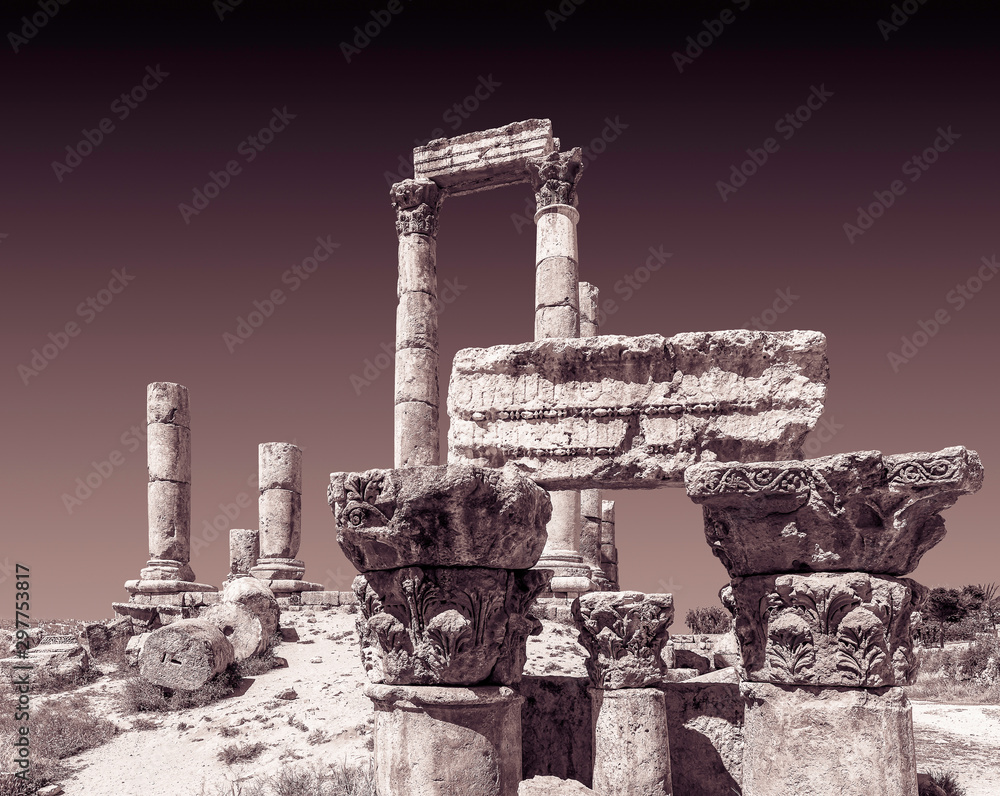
(624, 634)
(609, 551)
(444, 741)
(562, 547)
(590, 535)
(445, 554)
(417, 400)
(244, 550)
(168, 452)
(280, 515)
(816, 551)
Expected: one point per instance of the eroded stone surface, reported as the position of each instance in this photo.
(484, 159)
(553, 786)
(846, 741)
(624, 633)
(847, 629)
(253, 595)
(185, 654)
(631, 412)
(631, 742)
(850, 512)
(446, 626)
(241, 626)
(453, 515)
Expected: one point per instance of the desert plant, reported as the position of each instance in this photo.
(712, 619)
(241, 752)
(941, 784)
(140, 695)
(944, 606)
(294, 780)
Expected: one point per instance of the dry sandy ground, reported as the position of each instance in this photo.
(180, 756)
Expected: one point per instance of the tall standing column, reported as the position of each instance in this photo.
(417, 400)
(557, 314)
(590, 499)
(609, 550)
(168, 451)
(280, 515)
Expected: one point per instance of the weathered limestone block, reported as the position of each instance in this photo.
(279, 466)
(280, 512)
(631, 744)
(65, 659)
(134, 648)
(446, 741)
(168, 449)
(244, 550)
(850, 512)
(417, 266)
(108, 639)
(416, 376)
(589, 296)
(415, 440)
(484, 159)
(846, 741)
(258, 599)
(448, 515)
(705, 717)
(553, 786)
(590, 530)
(556, 727)
(632, 412)
(241, 626)
(169, 512)
(167, 402)
(624, 633)
(446, 626)
(848, 629)
(416, 323)
(185, 654)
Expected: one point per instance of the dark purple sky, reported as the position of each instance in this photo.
(661, 139)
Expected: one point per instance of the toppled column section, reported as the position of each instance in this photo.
(624, 634)
(185, 654)
(633, 412)
(816, 550)
(280, 517)
(417, 400)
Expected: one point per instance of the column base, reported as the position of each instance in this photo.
(166, 569)
(631, 747)
(816, 741)
(570, 574)
(446, 741)
(278, 569)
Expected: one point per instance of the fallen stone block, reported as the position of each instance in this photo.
(185, 654)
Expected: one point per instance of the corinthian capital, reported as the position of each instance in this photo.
(416, 203)
(554, 177)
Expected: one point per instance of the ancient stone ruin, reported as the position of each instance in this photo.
(459, 559)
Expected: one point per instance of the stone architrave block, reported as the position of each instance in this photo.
(447, 515)
(633, 412)
(484, 159)
(849, 512)
(446, 626)
(828, 629)
(624, 633)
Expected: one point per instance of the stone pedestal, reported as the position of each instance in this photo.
(416, 203)
(280, 515)
(631, 743)
(814, 741)
(437, 741)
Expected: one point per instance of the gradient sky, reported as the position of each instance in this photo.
(660, 137)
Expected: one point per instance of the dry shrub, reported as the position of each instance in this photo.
(139, 695)
(241, 752)
(293, 780)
